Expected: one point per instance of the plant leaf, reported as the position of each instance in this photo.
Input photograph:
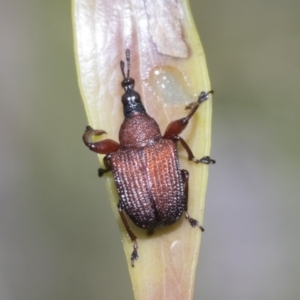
(168, 65)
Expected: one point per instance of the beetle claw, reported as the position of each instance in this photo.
(134, 254)
(101, 172)
(88, 128)
(194, 223)
(204, 96)
(205, 160)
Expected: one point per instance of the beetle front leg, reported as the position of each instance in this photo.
(177, 126)
(102, 147)
(185, 179)
(134, 254)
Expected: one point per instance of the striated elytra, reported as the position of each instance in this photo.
(153, 190)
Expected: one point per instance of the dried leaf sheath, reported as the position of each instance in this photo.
(167, 82)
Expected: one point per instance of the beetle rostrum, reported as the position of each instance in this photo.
(153, 190)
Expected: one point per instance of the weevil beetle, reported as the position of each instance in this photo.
(153, 190)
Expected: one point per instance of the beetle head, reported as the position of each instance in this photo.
(128, 84)
(131, 99)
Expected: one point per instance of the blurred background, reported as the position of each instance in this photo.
(58, 237)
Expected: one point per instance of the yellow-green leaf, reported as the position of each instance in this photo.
(168, 65)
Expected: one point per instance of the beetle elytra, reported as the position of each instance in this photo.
(153, 190)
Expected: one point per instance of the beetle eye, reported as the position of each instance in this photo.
(128, 84)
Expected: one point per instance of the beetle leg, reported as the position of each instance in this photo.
(106, 164)
(205, 160)
(177, 126)
(185, 178)
(134, 254)
(103, 147)
(101, 172)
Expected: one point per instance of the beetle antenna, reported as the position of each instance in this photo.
(128, 61)
(122, 68)
(122, 64)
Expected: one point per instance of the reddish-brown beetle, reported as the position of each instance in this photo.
(153, 190)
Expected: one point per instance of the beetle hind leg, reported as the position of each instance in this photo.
(134, 255)
(185, 177)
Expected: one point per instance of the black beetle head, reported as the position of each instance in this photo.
(131, 99)
(128, 84)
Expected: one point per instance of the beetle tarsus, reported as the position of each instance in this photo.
(101, 172)
(205, 160)
(134, 254)
(88, 128)
(194, 223)
(204, 96)
(185, 178)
